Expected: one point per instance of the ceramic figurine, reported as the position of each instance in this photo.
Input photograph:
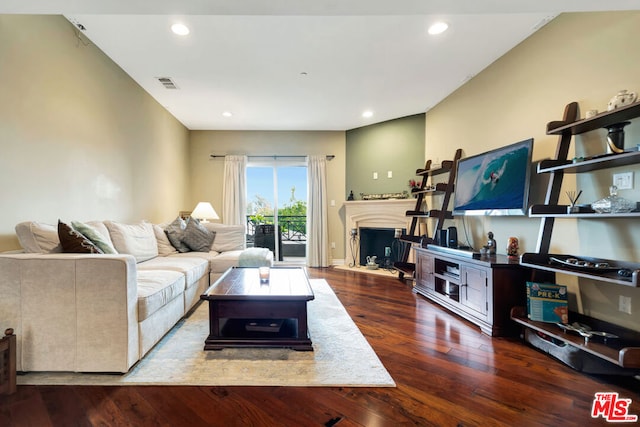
(512, 246)
(621, 99)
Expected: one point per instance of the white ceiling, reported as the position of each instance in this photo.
(248, 56)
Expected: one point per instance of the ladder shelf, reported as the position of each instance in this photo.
(426, 188)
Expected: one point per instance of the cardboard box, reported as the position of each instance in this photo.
(547, 302)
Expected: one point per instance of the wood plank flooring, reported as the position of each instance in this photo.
(447, 372)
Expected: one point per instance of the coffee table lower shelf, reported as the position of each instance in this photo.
(258, 333)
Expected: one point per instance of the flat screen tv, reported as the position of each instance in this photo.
(495, 182)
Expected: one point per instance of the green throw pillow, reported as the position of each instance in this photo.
(94, 235)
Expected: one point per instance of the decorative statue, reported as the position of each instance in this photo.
(512, 246)
(491, 244)
(350, 195)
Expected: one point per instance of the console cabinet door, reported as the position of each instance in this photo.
(473, 291)
(424, 271)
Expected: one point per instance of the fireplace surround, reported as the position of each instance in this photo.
(376, 214)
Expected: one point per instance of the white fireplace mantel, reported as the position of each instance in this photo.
(377, 213)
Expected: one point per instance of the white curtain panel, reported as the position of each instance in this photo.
(317, 226)
(234, 194)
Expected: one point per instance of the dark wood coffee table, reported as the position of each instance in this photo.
(243, 312)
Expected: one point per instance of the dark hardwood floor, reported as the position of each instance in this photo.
(447, 372)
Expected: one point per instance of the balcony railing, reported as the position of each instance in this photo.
(292, 239)
(293, 228)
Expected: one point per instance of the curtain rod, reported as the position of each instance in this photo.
(274, 156)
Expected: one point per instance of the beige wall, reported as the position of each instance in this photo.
(79, 139)
(584, 57)
(207, 173)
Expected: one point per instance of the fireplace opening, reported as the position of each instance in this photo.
(381, 243)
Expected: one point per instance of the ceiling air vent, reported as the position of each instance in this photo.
(167, 82)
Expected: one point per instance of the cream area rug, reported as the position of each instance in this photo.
(341, 357)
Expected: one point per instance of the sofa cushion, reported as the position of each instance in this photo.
(36, 237)
(228, 237)
(134, 239)
(74, 242)
(207, 256)
(91, 233)
(224, 261)
(197, 237)
(156, 288)
(175, 232)
(164, 244)
(192, 267)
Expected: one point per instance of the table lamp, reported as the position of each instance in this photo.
(204, 212)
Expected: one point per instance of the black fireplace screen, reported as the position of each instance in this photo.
(379, 242)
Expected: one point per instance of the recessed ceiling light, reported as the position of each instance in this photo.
(367, 114)
(180, 29)
(227, 114)
(438, 28)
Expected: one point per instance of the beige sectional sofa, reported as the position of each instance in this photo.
(104, 312)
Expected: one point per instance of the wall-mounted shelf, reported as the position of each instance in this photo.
(607, 271)
(433, 213)
(544, 262)
(621, 355)
(407, 238)
(443, 189)
(445, 167)
(602, 120)
(604, 161)
(566, 129)
(588, 215)
(560, 211)
(440, 188)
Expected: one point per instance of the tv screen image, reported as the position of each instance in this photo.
(495, 182)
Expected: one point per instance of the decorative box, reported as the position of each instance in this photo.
(547, 302)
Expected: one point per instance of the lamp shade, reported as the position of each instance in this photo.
(204, 211)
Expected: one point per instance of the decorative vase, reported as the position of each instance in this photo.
(621, 99)
(613, 203)
(615, 137)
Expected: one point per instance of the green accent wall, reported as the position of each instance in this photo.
(395, 145)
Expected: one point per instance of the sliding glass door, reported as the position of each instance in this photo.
(277, 207)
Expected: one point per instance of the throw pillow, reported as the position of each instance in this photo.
(74, 242)
(175, 232)
(164, 244)
(36, 237)
(197, 237)
(95, 236)
(134, 239)
(102, 229)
